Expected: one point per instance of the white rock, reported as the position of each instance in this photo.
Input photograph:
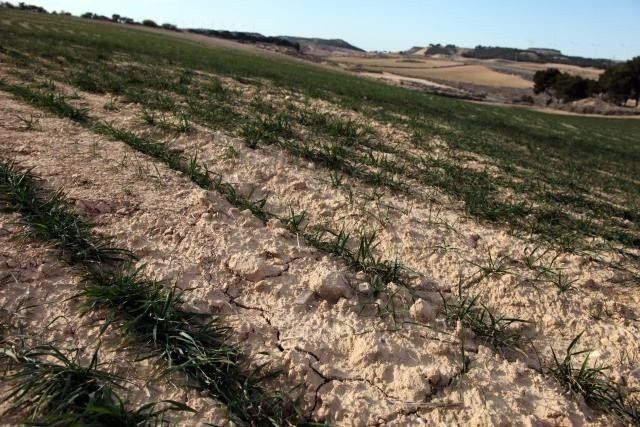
(365, 288)
(248, 219)
(422, 311)
(305, 299)
(253, 268)
(330, 285)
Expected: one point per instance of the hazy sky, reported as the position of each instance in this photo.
(592, 28)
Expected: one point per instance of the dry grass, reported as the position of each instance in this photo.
(441, 70)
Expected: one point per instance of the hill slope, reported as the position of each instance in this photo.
(327, 45)
(399, 258)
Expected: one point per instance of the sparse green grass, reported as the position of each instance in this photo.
(50, 219)
(183, 341)
(553, 164)
(56, 390)
(558, 163)
(380, 272)
(50, 101)
(592, 384)
(493, 266)
(502, 333)
(58, 105)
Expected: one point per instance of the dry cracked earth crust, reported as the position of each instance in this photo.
(298, 310)
(38, 306)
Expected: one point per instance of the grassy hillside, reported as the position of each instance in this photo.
(573, 177)
(233, 215)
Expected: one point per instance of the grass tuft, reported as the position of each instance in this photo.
(185, 343)
(592, 384)
(50, 219)
(57, 391)
(499, 332)
(51, 101)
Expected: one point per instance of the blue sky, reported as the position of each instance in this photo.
(592, 28)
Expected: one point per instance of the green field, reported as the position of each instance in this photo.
(575, 178)
(570, 184)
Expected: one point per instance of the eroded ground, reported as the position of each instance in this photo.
(357, 351)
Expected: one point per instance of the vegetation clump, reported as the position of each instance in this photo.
(592, 384)
(618, 84)
(182, 341)
(56, 390)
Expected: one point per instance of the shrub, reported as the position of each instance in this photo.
(544, 80)
(622, 82)
(149, 23)
(171, 27)
(563, 86)
(525, 99)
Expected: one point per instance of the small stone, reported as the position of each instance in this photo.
(364, 288)
(11, 263)
(473, 240)
(330, 285)
(247, 219)
(422, 311)
(300, 185)
(621, 277)
(253, 268)
(305, 299)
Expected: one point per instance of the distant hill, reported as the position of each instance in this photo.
(540, 55)
(246, 37)
(533, 54)
(326, 43)
(438, 49)
(313, 46)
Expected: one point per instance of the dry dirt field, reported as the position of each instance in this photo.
(440, 70)
(250, 240)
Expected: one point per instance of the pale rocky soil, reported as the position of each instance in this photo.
(37, 307)
(261, 278)
(416, 232)
(443, 244)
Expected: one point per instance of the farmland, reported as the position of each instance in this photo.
(212, 235)
(440, 70)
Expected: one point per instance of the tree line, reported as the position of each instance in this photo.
(617, 84)
(534, 55)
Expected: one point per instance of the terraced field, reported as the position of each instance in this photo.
(195, 235)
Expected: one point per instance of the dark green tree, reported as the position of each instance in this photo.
(545, 80)
(622, 82)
